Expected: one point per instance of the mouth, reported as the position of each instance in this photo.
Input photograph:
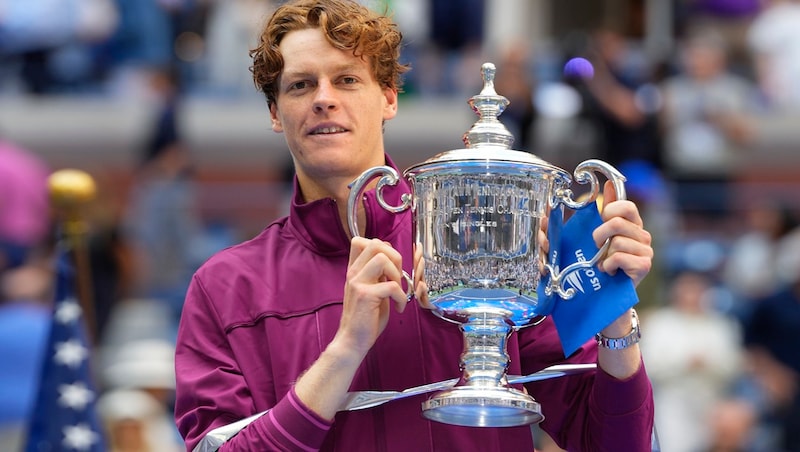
(330, 130)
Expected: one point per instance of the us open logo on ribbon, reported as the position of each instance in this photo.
(576, 279)
(599, 297)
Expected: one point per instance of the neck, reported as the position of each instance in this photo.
(338, 189)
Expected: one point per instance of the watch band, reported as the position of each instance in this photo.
(622, 342)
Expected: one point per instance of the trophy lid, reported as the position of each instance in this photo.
(488, 140)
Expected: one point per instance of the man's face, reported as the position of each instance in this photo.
(331, 109)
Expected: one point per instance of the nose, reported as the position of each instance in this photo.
(325, 98)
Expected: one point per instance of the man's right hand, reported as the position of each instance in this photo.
(374, 278)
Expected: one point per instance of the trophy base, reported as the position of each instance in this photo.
(483, 407)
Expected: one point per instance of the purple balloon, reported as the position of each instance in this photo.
(579, 67)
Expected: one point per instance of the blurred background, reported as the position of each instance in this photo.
(697, 102)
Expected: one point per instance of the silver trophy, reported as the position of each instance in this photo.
(477, 215)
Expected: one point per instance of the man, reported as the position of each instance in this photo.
(293, 319)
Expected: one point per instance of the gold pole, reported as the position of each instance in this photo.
(70, 191)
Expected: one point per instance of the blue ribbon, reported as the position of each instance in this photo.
(599, 298)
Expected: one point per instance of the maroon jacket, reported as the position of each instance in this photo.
(260, 313)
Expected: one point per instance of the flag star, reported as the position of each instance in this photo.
(79, 437)
(70, 353)
(76, 396)
(68, 311)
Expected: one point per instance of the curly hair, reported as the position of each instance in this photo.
(346, 24)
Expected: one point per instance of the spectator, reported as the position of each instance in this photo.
(162, 220)
(141, 47)
(136, 422)
(26, 295)
(733, 426)
(705, 126)
(51, 41)
(695, 355)
(232, 24)
(759, 256)
(771, 336)
(456, 36)
(136, 406)
(774, 40)
(621, 99)
(25, 221)
(729, 18)
(514, 80)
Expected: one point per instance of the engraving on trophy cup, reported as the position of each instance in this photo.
(477, 214)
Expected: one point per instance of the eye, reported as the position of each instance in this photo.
(298, 85)
(349, 80)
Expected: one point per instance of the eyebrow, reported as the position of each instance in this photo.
(347, 67)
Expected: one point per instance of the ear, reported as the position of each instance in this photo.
(390, 104)
(277, 126)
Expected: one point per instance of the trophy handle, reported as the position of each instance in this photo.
(388, 177)
(584, 172)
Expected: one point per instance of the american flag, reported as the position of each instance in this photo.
(64, 418)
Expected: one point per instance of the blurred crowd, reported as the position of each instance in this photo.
(720, 311)
(117, 47)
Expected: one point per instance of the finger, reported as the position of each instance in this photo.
(624, 209)
(627, 246)
(380, 268)
(357, 246)
(626, 240)
(422, 296)
(635, 266)
(543, 241)
(631, 256)
(379, 290)
(419, 265)
(396, 293)
(363, 250)
(609, 193)
(374, 261)
(619, 226)
(365, 289)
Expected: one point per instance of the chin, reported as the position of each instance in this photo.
(339, 167)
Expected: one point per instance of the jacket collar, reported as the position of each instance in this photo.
(318, 226)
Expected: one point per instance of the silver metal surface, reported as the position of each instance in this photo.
(478, 216)
(360, 400)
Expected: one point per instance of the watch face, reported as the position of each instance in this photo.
(634, 319)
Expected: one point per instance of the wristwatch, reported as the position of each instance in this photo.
(622, 342)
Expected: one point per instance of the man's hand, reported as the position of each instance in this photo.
(374, 277)
(630, 249)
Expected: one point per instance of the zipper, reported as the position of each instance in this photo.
(379, 424)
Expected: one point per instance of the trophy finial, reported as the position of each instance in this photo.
(488, 131)
(488, 70)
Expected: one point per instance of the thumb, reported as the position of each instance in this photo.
(609, 195)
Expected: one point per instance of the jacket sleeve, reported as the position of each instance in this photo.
(592, 411)
(212, 392)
